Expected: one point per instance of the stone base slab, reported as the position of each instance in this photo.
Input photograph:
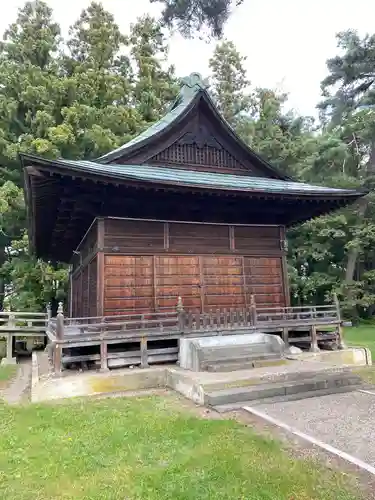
(8, 361)
(193, 385)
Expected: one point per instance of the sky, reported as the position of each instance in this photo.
(286, 42)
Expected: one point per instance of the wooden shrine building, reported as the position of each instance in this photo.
(185, 209)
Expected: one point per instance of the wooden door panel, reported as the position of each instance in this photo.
(177, 291)
(223, 301)
(149, 283)
(128, 305)
(177, 276)
(128, 284)
(264, 280)
(169, 304)
(222, 282)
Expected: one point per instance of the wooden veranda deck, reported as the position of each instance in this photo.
(141, 339)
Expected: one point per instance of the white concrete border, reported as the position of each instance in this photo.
(366, 392)
(327, 447)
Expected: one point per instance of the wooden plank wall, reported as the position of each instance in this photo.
(148, 265)
(85, 276)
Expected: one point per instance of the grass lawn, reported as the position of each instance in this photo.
(148, 449)
(362, 336)
(7, 372)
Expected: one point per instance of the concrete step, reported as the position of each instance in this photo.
(245, 363)
(283, 389)
(290, 397)
(247, 378)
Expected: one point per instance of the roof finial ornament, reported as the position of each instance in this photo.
(193, 83)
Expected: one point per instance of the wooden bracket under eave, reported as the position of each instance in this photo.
(34, 171)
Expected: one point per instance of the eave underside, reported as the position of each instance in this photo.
(61, 207)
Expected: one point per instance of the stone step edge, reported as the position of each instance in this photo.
(280, 389)
(236, 365)
(284, 399)
(244, 358)
(283, 378)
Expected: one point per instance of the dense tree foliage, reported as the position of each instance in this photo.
(76, 98)
(85, 95)
(190, 16)
(333, 253)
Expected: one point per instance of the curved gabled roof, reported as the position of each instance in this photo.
(193, 91)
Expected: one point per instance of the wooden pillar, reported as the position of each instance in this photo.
(314, 341)
(284, 266)
(57, 357)
(100, 269)
(253, 311)
(340, 339)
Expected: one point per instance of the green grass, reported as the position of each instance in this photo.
(361, 336)
(7, 372)
(148, 449)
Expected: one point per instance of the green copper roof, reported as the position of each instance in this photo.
(191, 85)
(207, 180)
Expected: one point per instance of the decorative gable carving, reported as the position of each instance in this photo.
(199, 148)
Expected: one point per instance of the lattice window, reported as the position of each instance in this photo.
(191, 154)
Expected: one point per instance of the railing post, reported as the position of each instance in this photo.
(314, 341)
(9, 359)
(103, 356)
(285, 335)
(57, 357)
(341, 342)
(48, 318)
(49, 312)
(144, 356)
(181, 315)
(253, 311)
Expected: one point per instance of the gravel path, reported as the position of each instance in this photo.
(19, 389)
(345, 421)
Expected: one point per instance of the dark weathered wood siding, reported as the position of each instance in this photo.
(84, 281)
(129, 265)
(149, 264)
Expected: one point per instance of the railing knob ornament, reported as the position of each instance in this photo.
(60, 309)
(180, 307)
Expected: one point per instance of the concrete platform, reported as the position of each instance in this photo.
(295, 376)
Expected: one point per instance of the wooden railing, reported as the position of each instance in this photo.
(79, 332)
(21, 324)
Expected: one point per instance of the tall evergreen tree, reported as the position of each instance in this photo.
(154, 87)
(348, 90)
(230, 85)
